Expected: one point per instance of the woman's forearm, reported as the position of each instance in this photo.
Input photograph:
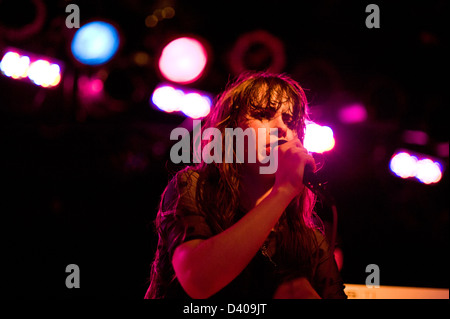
(204, 267)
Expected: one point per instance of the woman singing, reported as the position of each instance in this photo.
(228, 231)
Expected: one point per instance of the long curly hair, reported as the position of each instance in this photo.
(217, 195)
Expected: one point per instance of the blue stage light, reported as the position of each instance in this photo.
(95, 43)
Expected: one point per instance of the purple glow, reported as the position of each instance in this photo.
(14, 65)
(415, 137)
(353, 113)
(90, 88)
(442, 149)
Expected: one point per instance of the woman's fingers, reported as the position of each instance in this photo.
(292, 160)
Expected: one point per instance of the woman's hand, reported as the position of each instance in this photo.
(292, 159)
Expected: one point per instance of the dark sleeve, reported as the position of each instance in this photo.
(327, 280)
(180, 220)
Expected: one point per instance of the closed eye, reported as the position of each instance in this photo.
(289, 120)
(264, 114)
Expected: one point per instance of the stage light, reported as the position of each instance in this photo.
(192, 103)
(423, 168)
(318, 139)
(183, 60)
(42, 73)
(442, 149)
(195, 105)
(403, 165)
(167, 98)
(353, 113)
(38, 70)
(415, 137)
(428, 172)
(14, 65)
(90, 88)
(95, 43)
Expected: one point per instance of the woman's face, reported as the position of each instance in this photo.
(263, 122)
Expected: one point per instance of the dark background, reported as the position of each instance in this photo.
(81, 180)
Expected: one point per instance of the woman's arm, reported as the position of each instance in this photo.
(203, 267)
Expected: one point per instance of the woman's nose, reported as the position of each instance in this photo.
(283, 130)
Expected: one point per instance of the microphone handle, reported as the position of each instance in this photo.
(313, 182)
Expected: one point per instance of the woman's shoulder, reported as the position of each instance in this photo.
(184, 180)
(187, 175)
(182, 186)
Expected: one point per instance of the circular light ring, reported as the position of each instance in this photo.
(243, 44)
(29, 29)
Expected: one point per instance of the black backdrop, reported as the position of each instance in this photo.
(82, 185)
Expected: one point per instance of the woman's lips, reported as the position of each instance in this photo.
(270, 146)
(279, 142)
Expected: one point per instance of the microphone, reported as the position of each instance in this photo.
(316, 185)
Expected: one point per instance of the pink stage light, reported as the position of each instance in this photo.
(183, 60)
(318, 139)
(424, 169)
(90, 88)
(353, 113)
(170, 99)
(415, 137)
(40, 71)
